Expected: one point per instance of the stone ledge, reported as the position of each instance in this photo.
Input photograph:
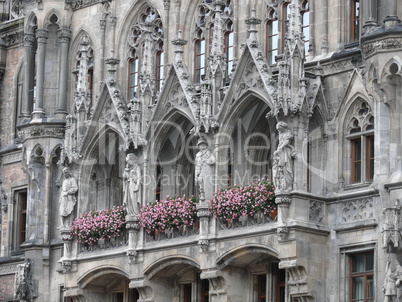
(358, 225)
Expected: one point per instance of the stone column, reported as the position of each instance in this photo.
(29, 43)
(133, 229)
(369, 15)
(41, 36)
(64, 40)
(392, 19)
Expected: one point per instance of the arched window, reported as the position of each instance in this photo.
(272, 37)
(84, 59)
(305, 12)
(147, 52)
(361, 139)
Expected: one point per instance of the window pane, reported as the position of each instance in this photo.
(306, 19)
(370, 287)
(358, 288)
(273, 28)
(358, 263)
(369, 261)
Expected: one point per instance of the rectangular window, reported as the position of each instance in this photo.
(356, 160)
(370, 157)
(262, 288)
(362, 277)
(204, 291)
(133, 78)
(355, 20)
(187, 292)
(229, 50)
(285, 23)
(200, 60)
(306, 25)
(21, 198)
(160, 65)
(272, 40)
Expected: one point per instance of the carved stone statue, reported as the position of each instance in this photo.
(393, 280)
(283, 160)
(67, 197)
(22, 287)
(132, 178)
(204, 170)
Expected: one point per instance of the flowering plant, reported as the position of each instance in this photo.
(102, 224)
(167, 214)
(248, 200)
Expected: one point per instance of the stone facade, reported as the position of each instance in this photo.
(121, 103)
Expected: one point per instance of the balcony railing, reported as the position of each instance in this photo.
(103, 244)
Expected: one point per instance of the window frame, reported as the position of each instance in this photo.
(365, 274)
(355, 20)
(200, 57)
(159, 69)
(229, 48)
(135, 74)
(305, 10)
(19, 228)
(204, 291)
(272, 52)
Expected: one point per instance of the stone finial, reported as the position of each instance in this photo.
(179, 43)
(253, 22)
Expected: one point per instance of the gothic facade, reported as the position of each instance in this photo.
(117, 103)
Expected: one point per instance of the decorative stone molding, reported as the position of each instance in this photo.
(131, 254)
(204, 244)
(12, 158)
(8, 269)
(79, 4)
(298, 285)
(17, 9)
(66, 265)
(3, 199)
(379, 45)
(42, 35)
(391, 229)
(31, 132)
(316, 213)
(283, 201)
(283, 232)
(64, 35)
(13, 37)
(23, 281)
(355, 210)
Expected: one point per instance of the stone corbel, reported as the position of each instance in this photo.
(283, 202)
(297, 280)
(217, 284)
(75, 294)
(145, 291)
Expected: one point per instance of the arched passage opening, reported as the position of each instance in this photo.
(252, 274)
(104, 284)
(177, 279)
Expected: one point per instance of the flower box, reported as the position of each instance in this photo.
(101, 225)
(173, 215)
(245, 205)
